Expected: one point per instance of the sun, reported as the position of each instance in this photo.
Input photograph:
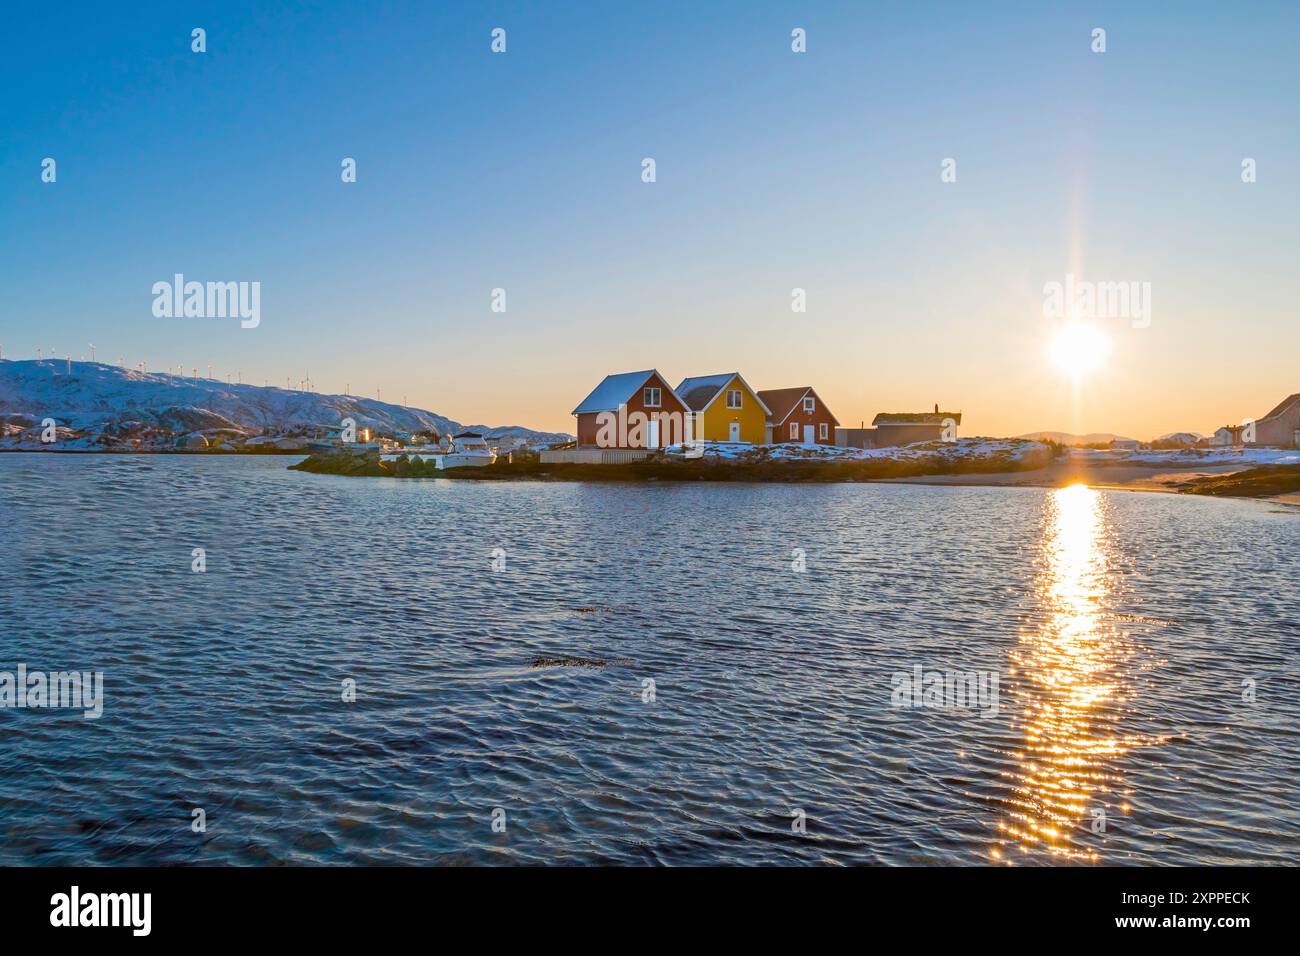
(1079, 350)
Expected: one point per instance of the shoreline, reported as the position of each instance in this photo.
(1277, 484)
(1118, 477)
(150, 451)
(1280, 483)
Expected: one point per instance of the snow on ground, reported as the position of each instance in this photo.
(110, 406)
(1184, 457)
(1013, 449)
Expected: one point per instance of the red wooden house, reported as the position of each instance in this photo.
(642, 407)
(798, 415)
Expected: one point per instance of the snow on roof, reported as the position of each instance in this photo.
(613, 391)
(698, 393)
(699, 390)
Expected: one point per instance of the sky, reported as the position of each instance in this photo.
(774, 171)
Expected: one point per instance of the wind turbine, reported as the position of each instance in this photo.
(92, 351)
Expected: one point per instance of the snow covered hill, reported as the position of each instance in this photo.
(96, 405)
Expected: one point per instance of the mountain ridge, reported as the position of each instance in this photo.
(98, 404)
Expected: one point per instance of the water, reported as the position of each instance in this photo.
(1121, 628)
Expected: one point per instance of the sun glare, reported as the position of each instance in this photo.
(1079, 350)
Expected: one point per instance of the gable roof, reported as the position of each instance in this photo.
(783, 401)
(699, 392)
(1286, 403)
(915, 418)
(615, 390)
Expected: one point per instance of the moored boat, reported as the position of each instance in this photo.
(466, 450)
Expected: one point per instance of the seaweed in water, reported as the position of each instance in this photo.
(573, 662)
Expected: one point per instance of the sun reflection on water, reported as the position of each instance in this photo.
(1067, 685)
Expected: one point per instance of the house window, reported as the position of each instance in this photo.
(650, 397)
(733, 398)
(794, 431)
(823, 431)
(809, 404)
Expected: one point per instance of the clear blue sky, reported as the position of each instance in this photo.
(775, 170)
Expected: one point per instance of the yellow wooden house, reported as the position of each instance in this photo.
(724, 408)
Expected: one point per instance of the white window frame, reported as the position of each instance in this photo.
(740, 398)
(823, 431)
(645, 397)
(809, 404)
(794, 431)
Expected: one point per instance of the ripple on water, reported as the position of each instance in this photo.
(1122, 628)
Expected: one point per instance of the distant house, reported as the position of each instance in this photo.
(1226, 436)
(799, 415)
(906, 428)
(1281, 426)
(631, 410)
(1125, 444)
(725, 408)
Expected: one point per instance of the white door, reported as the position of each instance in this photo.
(652, 434)
(735, 431)
(808, 435)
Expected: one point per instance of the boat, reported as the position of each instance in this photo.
(466, 450)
